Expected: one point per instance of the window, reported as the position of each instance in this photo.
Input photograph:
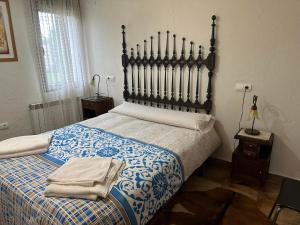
(59, 55)
(61, 58)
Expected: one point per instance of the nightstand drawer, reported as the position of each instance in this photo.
(251, 146)
(88, 104)
(250, 153)
(251, 149)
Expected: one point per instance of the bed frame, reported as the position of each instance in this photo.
(160, 95)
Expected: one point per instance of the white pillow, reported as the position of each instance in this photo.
(190, 120)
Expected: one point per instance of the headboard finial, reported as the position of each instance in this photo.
(138, 50)
(183, 46)
(191, 49)
(158, 44)
(145, 48)
(212, 39)
(174, 46)
(167, 44)
(151, 46)
(125, 64)
(124, 41)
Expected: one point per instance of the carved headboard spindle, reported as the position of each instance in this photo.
(173, 64)
(181, 65)
(199, 63)
(132, 62)
(145, 63)
(158, 64)
(166, 64)
(138, 62)
(190, 64)
(151, 63)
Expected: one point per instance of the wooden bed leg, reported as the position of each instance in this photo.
(201, 170)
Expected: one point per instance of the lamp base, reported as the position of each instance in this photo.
(252, 131)
(99, 97)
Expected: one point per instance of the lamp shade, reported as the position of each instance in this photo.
(92, 82)
(253, 111)
(254, 114)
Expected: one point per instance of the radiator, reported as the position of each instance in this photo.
(51, 115)
(38, 117)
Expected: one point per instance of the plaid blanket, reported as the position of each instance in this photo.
(152, 176)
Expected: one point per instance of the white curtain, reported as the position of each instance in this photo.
(60, 57)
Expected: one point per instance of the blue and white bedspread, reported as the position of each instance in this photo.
(151, 177)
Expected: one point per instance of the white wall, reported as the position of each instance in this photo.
(18, 82)
(258, 41)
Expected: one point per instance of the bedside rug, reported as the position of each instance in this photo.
(212, 207)
(243, 210)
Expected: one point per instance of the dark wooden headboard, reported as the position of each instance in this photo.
(161, 94)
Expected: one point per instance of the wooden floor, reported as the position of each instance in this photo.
(265, 196)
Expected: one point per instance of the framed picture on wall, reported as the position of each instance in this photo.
(8, 50)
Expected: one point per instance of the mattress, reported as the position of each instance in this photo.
(158, 159)
(192, 146)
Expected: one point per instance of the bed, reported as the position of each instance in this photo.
(159, 156)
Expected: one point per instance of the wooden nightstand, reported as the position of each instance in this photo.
(251, 158)
(93, 106)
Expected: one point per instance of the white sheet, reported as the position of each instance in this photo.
(193, 147)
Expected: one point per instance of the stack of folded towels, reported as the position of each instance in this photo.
(24, 145)
(84, 178)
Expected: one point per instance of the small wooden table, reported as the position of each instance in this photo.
(251, 158)
(94, 106)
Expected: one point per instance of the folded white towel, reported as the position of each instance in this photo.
(24, 145)
(91, 197)
(81, 171)
(100, 189)
(26, 153)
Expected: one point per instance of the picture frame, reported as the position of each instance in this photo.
(8, 51)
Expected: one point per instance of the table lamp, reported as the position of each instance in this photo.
(253, 115)
(93, 84)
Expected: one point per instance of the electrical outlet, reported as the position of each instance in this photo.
(4, 126)
(243, 86)
(111, 78)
